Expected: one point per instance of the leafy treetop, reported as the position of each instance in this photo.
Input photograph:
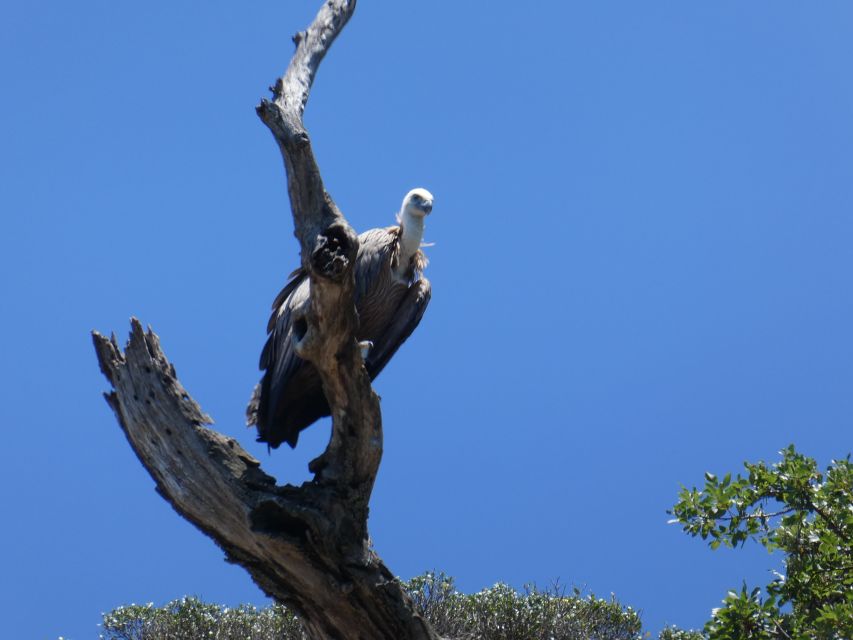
(791, 507)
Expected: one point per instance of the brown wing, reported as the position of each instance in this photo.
(290, 395)
(405, 320)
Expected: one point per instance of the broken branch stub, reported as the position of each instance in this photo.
(303, 546)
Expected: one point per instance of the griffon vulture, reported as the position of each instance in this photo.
(391, 296)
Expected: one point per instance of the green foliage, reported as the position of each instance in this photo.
(789, 507)
(501, 613)
(674, 633)
(189, 619)
(497, 613)
(793, 508)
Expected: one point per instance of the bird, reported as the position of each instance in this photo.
(391, 295)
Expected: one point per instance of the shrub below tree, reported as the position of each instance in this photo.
(789, 507)
(496, 613)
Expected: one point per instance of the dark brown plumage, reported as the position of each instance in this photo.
(390, 299)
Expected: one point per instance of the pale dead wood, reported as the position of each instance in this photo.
(305, 546)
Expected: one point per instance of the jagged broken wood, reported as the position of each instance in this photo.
(307, 546)
(296, 542)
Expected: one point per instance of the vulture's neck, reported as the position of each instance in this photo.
(411, 236)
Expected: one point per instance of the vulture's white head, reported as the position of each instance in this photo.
(417, 203)
(416, 206)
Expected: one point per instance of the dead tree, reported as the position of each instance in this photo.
(307, 547)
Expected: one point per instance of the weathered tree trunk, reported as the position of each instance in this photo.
(307, 546)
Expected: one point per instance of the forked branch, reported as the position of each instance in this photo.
(305, 546)
(295, 542)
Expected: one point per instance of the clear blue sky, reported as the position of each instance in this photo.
(642, 270)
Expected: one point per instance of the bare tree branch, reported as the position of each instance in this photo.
(306, 546)
(296, 542)
(329, 247)
(313, 210)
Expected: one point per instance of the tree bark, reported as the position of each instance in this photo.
(306, 547)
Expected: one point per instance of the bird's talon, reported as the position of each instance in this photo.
(365, 346)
